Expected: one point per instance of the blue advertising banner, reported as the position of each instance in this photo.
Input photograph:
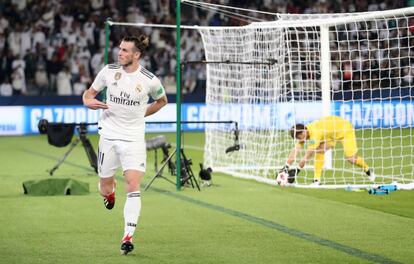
(59, 114)
(265, 116)
(22, 120)
(376, 114)
(11, 120)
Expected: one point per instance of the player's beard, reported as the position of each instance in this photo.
(127, 64)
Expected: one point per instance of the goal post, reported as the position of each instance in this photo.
(357, 66)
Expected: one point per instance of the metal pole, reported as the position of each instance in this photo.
(106, 55)
(178, 93)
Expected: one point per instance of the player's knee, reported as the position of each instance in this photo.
(133, 186)
(133, 180)
(321, 150)
(351, 159)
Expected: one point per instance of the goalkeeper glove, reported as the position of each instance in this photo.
(293, 172)
(285, 169)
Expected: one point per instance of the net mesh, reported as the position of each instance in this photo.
(267, 77)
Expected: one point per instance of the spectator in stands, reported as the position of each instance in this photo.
(14, 41)
(64, 82)
(97, 62)
(53, 68)
(72, 28)
(4, 23)
(18, 79)
(41, 80)
(2, 43)
(6, 88)
(29, 71)
(97, 4)
(83, 81)
(39, 36)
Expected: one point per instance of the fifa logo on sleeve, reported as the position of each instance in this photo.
(160, 90)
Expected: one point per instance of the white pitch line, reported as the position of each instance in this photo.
(190, 147)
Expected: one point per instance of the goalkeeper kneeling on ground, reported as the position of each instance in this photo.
(319, 137)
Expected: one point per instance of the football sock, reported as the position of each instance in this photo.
(319, 160)
(361, 163)
(132, 210)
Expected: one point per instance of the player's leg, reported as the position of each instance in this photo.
(357, 160)
(133, 160)
(107, 165)
(351, 154)
(132, 208)
(320, 160)
(107, 190)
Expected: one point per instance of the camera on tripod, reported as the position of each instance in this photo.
(186, 173)
(82, 129)
(160, 142)
(61, 134)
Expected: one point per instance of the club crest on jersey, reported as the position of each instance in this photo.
(138, 88)
(117, 76)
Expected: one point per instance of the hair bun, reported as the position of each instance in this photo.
(144, 40)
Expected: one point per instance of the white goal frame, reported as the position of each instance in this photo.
(324, 22)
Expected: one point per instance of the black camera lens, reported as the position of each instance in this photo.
(42, 126)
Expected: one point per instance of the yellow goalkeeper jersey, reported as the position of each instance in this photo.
(329, 130)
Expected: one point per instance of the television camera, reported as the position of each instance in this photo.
(61, 134)
(186, 173)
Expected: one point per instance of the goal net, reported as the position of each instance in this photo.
(267, 76)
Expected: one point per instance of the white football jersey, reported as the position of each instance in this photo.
(127, 95)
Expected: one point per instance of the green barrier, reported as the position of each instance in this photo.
(49, 187)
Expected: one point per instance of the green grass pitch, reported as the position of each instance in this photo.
(233, 221)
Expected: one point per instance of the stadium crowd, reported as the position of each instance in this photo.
(54, 47)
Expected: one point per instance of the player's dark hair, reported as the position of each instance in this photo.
(297, 129)
(141, 42)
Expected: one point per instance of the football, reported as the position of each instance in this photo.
(282, 178)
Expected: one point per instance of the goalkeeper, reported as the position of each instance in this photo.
(320, 136)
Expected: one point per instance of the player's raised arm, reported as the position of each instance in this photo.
(90, 101)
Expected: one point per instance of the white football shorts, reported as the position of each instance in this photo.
(130, 155)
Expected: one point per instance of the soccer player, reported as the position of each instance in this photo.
(320, 136)
(122, 126)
